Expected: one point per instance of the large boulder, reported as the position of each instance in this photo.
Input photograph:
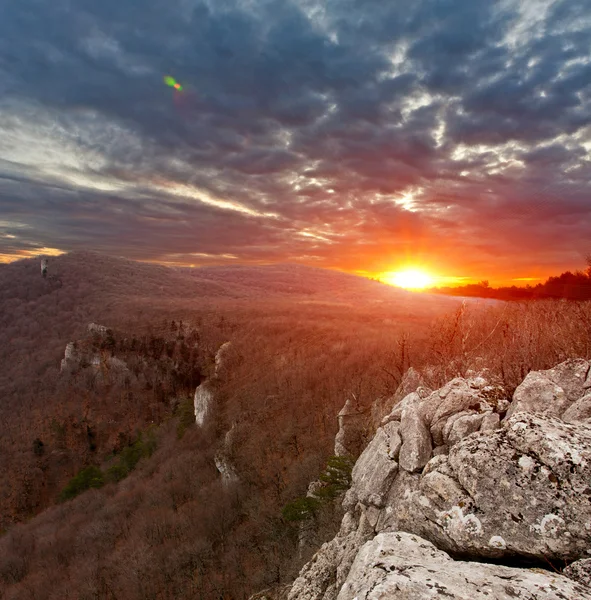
(412, 381)
(403, 566)
(554, 391)
(376, 468)
(579, 410)
(522, 490)
(468, 396)
(416, 440)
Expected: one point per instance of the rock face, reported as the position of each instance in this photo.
(412, 381)
(522, 490)
(416, 440)
(71, 358)
(78, 356)
(579, 411)
(204, 394)
(512, 488)
(202, 402)
(324, 575)
(580, 571)
(352, 426)
(406, 567)
(222, 458)
(554, 391)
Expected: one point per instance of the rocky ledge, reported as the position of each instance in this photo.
(463, 494)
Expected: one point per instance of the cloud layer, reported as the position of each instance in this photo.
(355, 135)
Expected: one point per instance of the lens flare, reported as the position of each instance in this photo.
(173, 83)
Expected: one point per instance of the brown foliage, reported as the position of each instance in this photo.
(173, 528)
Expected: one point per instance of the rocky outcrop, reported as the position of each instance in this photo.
(403, 566)
(353, 424)
(222, 458)
(95, 328)
(553, 392)
(432, 422)
(579, 410)
(458, 473)
(203, 401)
(324, 575)
(72, 358)
(204, 393)
(78, 356)
(412, 381)
(522, 490)
(416, 446)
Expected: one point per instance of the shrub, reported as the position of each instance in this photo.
(336, 477)
(301, 509)
(131, 455)
(87, 478)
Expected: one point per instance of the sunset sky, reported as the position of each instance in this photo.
(368, 136)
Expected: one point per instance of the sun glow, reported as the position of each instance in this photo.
(412, 279)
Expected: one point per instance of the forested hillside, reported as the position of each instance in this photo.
(110, 490)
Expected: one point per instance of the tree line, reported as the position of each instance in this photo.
(567, 285)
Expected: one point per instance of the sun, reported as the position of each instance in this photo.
(411, 279)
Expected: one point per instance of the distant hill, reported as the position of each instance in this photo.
(85, 274)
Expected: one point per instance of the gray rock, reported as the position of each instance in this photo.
(72, 357)
(412, 380)
(571, 376)
(322, 577)
(98, 329)
(400, 506)
(537, 394)
(467, 396)
(454, 397)
(527, 482)
(579, 411)
(580, 571)
(463, 427)
(203, 402)
(416, 441)
(403, 566)
(375, 469)
(352, 426)
(491, 422)
(521, 490)
(412, 399)
(222, 357)
(552, 391)
(450, 422)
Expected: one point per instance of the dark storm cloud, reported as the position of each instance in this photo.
(305, 128)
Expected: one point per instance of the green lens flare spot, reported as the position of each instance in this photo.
(170, 81)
